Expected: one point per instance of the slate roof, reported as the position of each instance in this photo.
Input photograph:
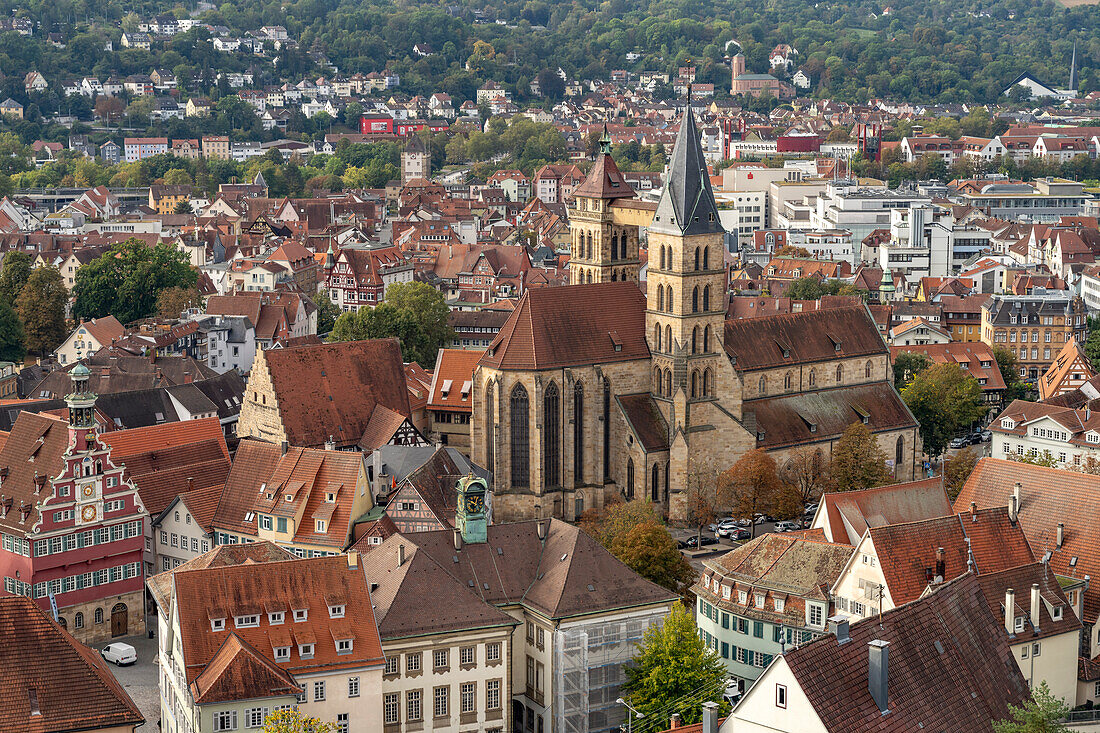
(964, 688)
(572, 325)
(645, 419)
(687, 203)
(69, 682)
(1047, 496)
(846, 515)
(825, 414)
(907, 551)
(760, 343)
(332, 389)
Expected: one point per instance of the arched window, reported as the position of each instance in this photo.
(787, 380)
(658, 380)
(655, 485)
(706, 299)
(839, 373)
(668, 383)
(551, 436)
(668, 339)
(78, 620)
(663, 257)
(695, 300)
(98, 615)
(490, 433)
(660, 298)
(763, 388)
(589, 249)
(697, 254)
(606, 430)
(813, 377)
(657, 336)
(614, 245)
(614, 275)
(630, 478)
(578, 504)
(867, 369)
(706, 258)
(899, 452)
(695, 340)
(708, 383)
(521, 444)
(706, 340)
(694, 383)
(668, 298)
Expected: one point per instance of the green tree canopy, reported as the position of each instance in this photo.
(649, 550)
(1008, 365)
(41, 307)
(13, 341)
(413, 312)
(858, 461)
(944, 399)
(14, 274)
(294, 721)
(126, 280)
(1043, 713)
(327, 312)
(907, 365)
(674, 672)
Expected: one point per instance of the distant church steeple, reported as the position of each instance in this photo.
(1073, 69)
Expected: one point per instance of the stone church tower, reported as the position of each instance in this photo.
(693, 381)
(605, 245)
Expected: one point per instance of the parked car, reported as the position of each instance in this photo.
(119, 654)
(694, 541)
(959, 442)
(725, 531)
(741, 534)
(810, 510)
(976, 437)
(785, 526)
(987, 435)
(744, 522)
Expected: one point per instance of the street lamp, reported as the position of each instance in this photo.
(629, 720)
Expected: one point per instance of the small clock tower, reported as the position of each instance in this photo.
(471, 517)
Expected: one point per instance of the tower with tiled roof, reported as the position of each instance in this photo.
(603, 249)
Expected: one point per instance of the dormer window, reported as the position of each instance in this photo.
(1019, 624)
(336, 611)
(217, 624)
(344, 646)
(759, 599)
(301, 614)
(282, 653)
(305, 651)
(276, 617)
(289, 497)
(320, 525)
(779, 603)
(1008, 423)
(330, 497)
(1057, 613)
(742, 597)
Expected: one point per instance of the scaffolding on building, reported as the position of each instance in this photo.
(589, 659)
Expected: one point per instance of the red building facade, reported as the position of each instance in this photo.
(73, 527)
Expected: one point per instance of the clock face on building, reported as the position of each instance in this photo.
(88, 514)
(475, 503)
(88, 491)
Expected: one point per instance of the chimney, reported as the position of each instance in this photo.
(710, 717)
(838, 626)
(458, 538)
(974, 511)
(353, 558)
(283, 447)
(190, 483)
(39, 482)
(1035, 606)
(1013, 506)
(675, 722)
(878, 673)
(941, 565)
(400, 555)
(1016, 492)
(1061, 535)
(541, 525)
(1010, 612)
(330, 444)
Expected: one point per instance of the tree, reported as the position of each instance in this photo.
(126, 280)
(14, 274)
(293, 721)
(327, 312)
(173, 301)
(413, 312)
(1043, 713)
(673, 671)
(750, 485)
(1045, 459)
(944, 399)
(1010, 372)
(41, 307)
(858, 461)
(649, 550)
(804, 476)
(908, 364)
(957, 470)
(13, 341)
(182, 207)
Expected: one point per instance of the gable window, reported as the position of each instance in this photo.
(336, 611)
(301, 614)
(781, 696)
(247, 621)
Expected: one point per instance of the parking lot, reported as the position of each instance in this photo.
(141, 679)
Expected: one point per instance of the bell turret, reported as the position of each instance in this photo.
(81, 404)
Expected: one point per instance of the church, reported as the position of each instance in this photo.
(598, 389)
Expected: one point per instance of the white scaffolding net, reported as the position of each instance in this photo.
(589, 660)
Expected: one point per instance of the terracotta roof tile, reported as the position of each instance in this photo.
(69, 683)
(646, 420)
(160, 585)
(1021, 579)
(452, 381)
(760, 343)
(604, 181)
(383, 425)
(238, 671)
(891, 504)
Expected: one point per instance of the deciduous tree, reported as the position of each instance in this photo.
(126, 280)
(1043, 713)
(673, 671)
(957, 470)
(41, 307)
(908, 364)
(294, 721)
(858, 462)
(649, 550)
(750, 485)
(804, 476)
(173, 301)
(13, 341)
(415, 313)
(14, 274)
(944, 399)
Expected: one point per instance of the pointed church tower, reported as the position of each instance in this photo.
(603, 249)
(1073, 69)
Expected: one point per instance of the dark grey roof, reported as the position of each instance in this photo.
(192, 398)
(226, 391)
(687, 204)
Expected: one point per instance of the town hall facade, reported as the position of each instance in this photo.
(595, 390)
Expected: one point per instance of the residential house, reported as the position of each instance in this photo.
(88, 338)
(917, 332)
(1070, 436)
(1070, 370)
(976, 358)
(138, 148)
(1035, 327)
(450, 401)
(10, 108)
(845, 516)
(355, 277)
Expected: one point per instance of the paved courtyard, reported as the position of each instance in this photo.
(140, 679)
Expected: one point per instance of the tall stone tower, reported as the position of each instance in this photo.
(603, 249)
(415, 159)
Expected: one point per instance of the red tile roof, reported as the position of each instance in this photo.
(332, 390)
(34, 446)
(968, 355)
(1048, 496)
(42, 666)
(104, 330)
(604, 181)
(963, 688)
(452, 382)
(238, 671)
(160, 585)
(576, 324)
(907, 551)
(1021, 579)
(645, 419)
(760, 343)
(846, 515)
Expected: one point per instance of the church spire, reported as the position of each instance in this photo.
(687, 204)
(1073, 69)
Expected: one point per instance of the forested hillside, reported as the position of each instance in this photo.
(928, 50)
